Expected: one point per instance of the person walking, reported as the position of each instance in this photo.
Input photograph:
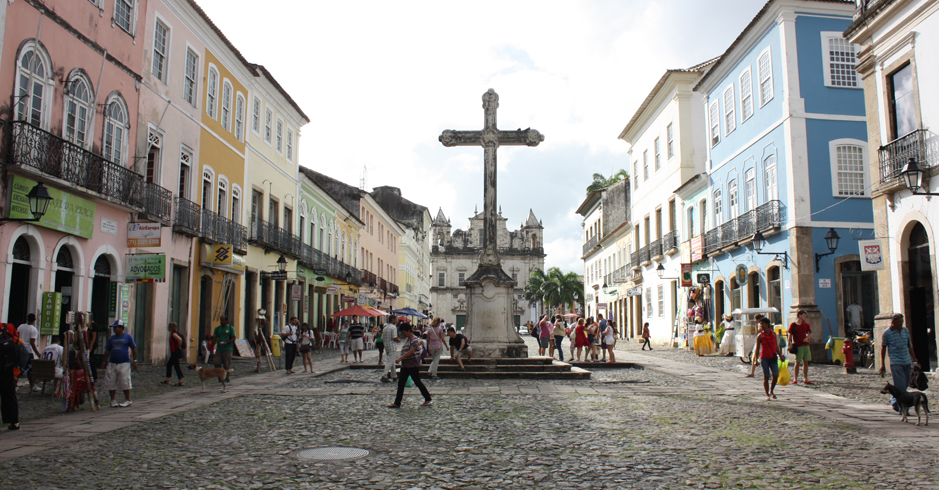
(580, 339)
(177, 344)
(28, 334)
(9, 406)
(379, 345)
(260, 339)
(224, 341)
(768, 352)
(590, 328)
(897, 341)
(356, 339)
(291, 336)
(646, 335)
(307, 341)
(601, 327)
(410, 360)
(799, 336)
(389, 335)
(120, 356)
(436, 343)
(559, 331)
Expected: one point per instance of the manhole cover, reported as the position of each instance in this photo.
(331, 453)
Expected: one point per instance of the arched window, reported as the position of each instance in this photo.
(78, 111)
(21, 251)
(774, 294)
(313, 229)
(343, 257)
(240, 117)
(753, 293)
(103, 267)
(64, 259)
(329, 243)
(211, 92)
(335, 232)
(31, 101)
(732, 198)
(718, 208)
(115, 131)
(750, 176)
(222, 208)
(322, 233)
(226, 105)
(236, 203)
(769, 178)
(719, 300)
(734, 294)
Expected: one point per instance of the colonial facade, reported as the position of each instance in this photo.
(414, 248)
(898, 65)
(455, 256)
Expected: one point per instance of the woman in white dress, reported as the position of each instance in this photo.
(728, 342)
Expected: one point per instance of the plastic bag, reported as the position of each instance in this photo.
(409, 383)
(783, 373)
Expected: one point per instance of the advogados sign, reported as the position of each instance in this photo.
(146, 268)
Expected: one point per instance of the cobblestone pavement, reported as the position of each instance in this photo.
(672, 424)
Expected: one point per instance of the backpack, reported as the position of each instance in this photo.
(182, 341)
(534, 331)
(12, 350)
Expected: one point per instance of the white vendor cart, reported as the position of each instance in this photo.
(747, 330)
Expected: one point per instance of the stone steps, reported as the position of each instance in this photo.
(537, 368)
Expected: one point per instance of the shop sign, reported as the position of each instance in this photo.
(222, 255)
(332, 289)
(146, 268)
(51, 314)
(362, 298)
(697, 248)
(143, 234)
(66, 213)
(872, 255)
(124, 299)
(824, 283)
(235, 263)
(278, 276)
(685, 248)
(296, 292)
(686, 276)
(602, 306)
(636, 291)
(108, 226)
(741, 274)
(704, 279)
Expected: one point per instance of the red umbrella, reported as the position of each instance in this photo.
(357, 310)
(570, 315)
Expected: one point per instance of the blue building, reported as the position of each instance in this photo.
(788, 161)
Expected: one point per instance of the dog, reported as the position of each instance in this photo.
(208, 373)
(907, 400)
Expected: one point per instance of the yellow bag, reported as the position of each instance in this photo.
(783, 373)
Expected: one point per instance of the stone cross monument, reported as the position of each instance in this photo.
(489, 324)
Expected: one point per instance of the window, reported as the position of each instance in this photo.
(115, 131)
(236, 203)
(648, 302)
(226, 105)
(732, 197)
(123, 14)
(645, 165)
(661, 300)
(765, 65)
(189, 84)
(460, 278)
(636, 173)
(288, 220)
(160, 37)
(746, 95)
(730, 119)
(273, 214)
(154, 156)
(256, 115)
(769, 178)
(268, 117)
(714, 117)
(211, 93)
(902, 102)
(280, 136)
(207, 178)
(750, 189)
(718, 209)
(185, 169)
(658, 155)
(670, 140)
(441, 279)
(256, 210)
(840, 59)
(31, 103)
(290, 145)
(240, 117)
(222, 205)
(78, 111)
(848, 168)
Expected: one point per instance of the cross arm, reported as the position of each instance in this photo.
(527, 137)
(451, 137)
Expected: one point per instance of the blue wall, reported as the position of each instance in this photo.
(819, 98)
(819, 135)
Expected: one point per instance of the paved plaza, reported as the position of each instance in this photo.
(675, 423)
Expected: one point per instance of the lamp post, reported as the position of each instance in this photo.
(39, 199)
(660, 270)
(831, 239)
(282, 264)
(759, 242)
(914, 176)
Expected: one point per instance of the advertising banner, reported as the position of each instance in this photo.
(143, 234)
(296, 292)
(66, 213)
(697, 248)
(872, 255)
(51, 314)
(686, 281)
(146, 268)
(123, 292)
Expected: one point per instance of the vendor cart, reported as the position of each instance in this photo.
(746, 328)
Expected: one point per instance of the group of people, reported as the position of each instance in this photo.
(588, 337)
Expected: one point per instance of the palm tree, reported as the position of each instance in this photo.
(600, 182)
(555, 288)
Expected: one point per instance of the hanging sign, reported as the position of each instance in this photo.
(332, 289)
(66, 213)
(740, 273)
(296, 292)
(686, 281)
(146, 268)
(704, 279)
(636, 291)
(697, 248)
(123, 292)
(51, 314)
(872, 255)
(143, 234)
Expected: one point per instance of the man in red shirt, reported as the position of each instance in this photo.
(799, 336)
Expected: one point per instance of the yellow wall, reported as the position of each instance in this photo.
(227, 135)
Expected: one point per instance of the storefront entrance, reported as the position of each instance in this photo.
(100, 304)
(919, 297)
(19, 287)
(64, 273)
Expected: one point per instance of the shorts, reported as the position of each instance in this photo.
(118, 376)
(380, 346)
(769, 365)
(344, 348)
(543, 342)
(803, 354)
(358, 344)
(468, 351)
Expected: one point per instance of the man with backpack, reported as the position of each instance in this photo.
(9, 346)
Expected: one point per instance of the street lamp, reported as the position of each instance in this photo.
(39, 199)
(831, 239)
(759, 242)
(282, 264)
(914, 175)
(660, 270)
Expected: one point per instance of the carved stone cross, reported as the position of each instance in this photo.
(490, 138)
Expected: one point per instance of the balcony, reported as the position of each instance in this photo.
(636, 275)
(620, 275)
(670, 242)
(921, 145)
(270, 236)
(767, 216)
(712, 240)
(644, 256)
(655, 249)
(369, 277)
(45, 155)
(219, 229)
(591, 244)
(319, 261)
(188, 217)
(634, 260)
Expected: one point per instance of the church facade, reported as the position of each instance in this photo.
(455, 256)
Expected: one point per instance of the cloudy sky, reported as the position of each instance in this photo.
(380, 81)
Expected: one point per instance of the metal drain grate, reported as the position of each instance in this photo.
(331, 453)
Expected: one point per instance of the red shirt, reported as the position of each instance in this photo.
(768, 345)
(800, 333)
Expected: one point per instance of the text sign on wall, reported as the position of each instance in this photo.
(66, 213)
(872, 255)
(51, 314)
(296, 292)
(146, 268)
(143, 234)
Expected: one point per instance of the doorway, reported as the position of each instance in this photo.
(919, 297)
(64, 274)
(101, 304)
(205, 307)
(858, 296)
(19, 286)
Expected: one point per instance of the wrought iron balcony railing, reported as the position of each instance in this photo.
(655, 249)
(591, 244)
(634, 260)
(765, 217)
(643, 255)
(620, 275)
(921, 145)
(314, 259)
(269, 236)
(188, 217)
(670, 241)
(156, 202)
(369, 278)
(712, 240)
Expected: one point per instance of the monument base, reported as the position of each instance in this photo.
(489, 320)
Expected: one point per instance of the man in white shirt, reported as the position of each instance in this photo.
(389, 335)
(855, 311)
(28, 334)
(53, 352)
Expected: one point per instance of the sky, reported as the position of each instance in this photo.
(381, 80)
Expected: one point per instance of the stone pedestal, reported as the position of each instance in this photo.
(489, 324)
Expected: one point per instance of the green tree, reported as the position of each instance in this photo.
(600, 182)
(555, 288)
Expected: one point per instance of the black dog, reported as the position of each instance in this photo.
(907, 400)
